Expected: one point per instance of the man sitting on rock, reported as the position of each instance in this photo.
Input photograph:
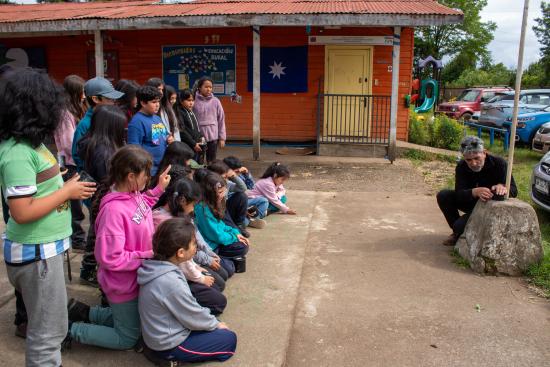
(478, 176)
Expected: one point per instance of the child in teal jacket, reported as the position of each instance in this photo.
(226, 241)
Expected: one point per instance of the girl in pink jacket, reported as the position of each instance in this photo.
(270, 186)
(209, 113)
(124, 231)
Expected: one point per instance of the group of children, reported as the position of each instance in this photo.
(166, 232)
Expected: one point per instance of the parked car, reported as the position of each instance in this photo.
(541, 141)
(528, 124)
(496, 111)
(540, 183)
(468, 104)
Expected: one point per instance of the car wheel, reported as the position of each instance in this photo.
(466, 117)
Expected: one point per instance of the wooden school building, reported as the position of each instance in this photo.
(330, 71)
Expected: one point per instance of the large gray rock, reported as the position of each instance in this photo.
(501, 237)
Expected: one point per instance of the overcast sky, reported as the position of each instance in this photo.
(507, 14)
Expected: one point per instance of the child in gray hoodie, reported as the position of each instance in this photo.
(174, 326)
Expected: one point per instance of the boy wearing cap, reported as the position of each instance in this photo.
(99, 91)
(478, 176)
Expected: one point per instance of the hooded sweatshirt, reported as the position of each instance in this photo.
(266, 187)
(124, 233)
(167, 309)
(210, 115)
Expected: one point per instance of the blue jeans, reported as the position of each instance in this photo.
(261, 203)
(202, 346)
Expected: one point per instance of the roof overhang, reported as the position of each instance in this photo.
(15, 29)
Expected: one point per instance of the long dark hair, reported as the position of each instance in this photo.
(106, 130)
(129, 88)
(177, 172)
(31, 104)
(210, 185)
(128, 159)
(183, 189)
(74, 88)
(175, 153)
(276, 170)
(172, 235)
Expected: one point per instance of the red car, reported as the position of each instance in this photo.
(468, 104)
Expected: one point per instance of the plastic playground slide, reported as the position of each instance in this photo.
(429, 101)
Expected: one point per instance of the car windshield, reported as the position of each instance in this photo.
(468, 95)
(498, 97)
(536, 98)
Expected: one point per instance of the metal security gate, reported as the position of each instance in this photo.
(353, 118)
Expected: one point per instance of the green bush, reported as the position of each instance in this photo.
(418, 132)
(439, 132)
(449, 133)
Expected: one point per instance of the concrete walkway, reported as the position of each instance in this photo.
(355, 279)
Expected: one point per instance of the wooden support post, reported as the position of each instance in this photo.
(98, 42)
(392, 149)
(256, 93)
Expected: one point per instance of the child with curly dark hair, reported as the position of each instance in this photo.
(39, 229)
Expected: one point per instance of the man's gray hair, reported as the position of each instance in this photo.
(471, 144)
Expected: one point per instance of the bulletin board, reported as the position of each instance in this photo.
(183, 65)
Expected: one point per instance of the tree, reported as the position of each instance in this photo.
(542, 30)
(465, 43)
(486, 76)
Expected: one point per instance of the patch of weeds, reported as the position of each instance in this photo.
(540, 273)
(459, 260)
(417, 156)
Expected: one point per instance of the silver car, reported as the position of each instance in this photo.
(540, 183)
(496, 111)
(541, 141)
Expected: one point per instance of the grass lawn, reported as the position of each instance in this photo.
(524, 161)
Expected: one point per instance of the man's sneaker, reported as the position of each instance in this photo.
(243, 230)
(257, 223)
(78, 311)
(89, 277)
(21, 330)
(451, 240)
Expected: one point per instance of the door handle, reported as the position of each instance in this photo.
(366, 80)
(360, 79)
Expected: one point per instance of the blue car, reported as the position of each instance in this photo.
(528, 124)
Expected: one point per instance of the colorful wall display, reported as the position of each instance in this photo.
(182, 66)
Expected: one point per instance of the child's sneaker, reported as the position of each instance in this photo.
(78, 311)
(89, 277)
(242, 229)
(257, 223)
(157, 361)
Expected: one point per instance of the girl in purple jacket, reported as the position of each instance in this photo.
(209, 112)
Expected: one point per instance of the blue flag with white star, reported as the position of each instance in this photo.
(282, 69)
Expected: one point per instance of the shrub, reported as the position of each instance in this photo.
(439, 132)
(449, 133)
(418, 132)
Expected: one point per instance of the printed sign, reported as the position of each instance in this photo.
(182, 66)
(351, 40)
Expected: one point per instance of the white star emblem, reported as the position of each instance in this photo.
(277, 69)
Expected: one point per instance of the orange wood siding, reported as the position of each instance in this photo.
(283, 116)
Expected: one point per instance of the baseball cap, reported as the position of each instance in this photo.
(99, 86)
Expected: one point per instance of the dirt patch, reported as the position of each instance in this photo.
(437, 174)
(401, 176)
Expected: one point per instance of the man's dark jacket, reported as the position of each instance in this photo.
(492, 173)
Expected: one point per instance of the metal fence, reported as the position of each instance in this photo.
(353, 118)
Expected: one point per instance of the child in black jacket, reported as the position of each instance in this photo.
(189, 126)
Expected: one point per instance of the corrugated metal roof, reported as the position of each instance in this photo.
(148, 8)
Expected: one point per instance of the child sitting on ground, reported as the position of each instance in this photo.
(225, 240)
(175, 327)
(258, 204)
(124, 228)
(181, 196)
(270, 186)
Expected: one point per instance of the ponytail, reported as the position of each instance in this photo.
(276, 170)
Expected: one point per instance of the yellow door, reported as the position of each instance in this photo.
(347, 78)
